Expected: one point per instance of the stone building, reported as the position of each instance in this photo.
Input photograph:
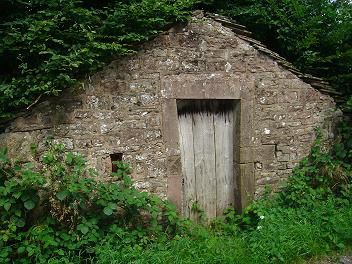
(203, 113)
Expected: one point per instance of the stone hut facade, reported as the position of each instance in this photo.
(132, 110)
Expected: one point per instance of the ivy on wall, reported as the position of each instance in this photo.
(315, 35)
(47, 46)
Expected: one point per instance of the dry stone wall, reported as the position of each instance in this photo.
(129, 108)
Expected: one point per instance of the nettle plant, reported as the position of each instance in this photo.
(322, 178)
(57, 204)
(323, 174)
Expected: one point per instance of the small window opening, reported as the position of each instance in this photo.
(115, 157)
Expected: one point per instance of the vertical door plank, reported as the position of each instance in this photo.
(204, 161)
(206, 131)
(187, 159)
(223, 125)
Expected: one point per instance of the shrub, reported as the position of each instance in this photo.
(57, 211)
(58, 206)
(48, 46)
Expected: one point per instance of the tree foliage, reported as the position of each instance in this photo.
(49, 45)
(57, 205)
(315, 35)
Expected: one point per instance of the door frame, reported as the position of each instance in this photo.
(243, 151)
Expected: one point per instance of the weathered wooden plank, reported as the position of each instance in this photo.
(223, 125)
(206, 130)
(204, 161)
(187, 159)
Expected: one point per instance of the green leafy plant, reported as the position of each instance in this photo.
(57, 210)
(57, 205)
(48, 46)
(314, 35)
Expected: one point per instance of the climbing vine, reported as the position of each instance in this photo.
(47, 46)
(56, 204)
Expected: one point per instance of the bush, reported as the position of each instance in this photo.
(48, 46)
(58, 206)
(55, 210)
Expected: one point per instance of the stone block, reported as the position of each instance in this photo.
(261, 63)
(143, 86)
(148, 99)
(170, 127)
(246, 123)
(67, 142)
(267, 97)
(174, 190)
(265, 152)
(246, 154)
(174, 165)
(238, 64)
(247, 184)
(200, 86)
(195, 65)
(266, 178)
(82, 143)
(114, 87)
(282, 156)
(83, 114)
(288, 96)
(273, 165)
(210, 53)
(93, 102)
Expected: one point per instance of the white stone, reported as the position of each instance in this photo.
(228, 67)
(104, 128)
(267, 131)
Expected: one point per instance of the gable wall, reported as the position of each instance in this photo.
(130, 108)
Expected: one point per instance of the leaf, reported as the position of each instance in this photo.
(60, 252)
(62, 195)
(83, 228)
(25, 197)
(21, 250)
(20, 222)
(17, 195)
(34, 148)
(3, 155)
(29, 205)
(112, 206)
(108, 211)
(69, 158)
(7, 206)
(48, 158)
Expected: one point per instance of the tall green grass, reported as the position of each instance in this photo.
(310, 217)
(282, 236)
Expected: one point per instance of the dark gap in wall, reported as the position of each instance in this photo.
(220, 106)
(114, 158)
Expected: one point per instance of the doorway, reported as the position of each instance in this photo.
(207, 139)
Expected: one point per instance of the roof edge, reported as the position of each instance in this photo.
(243, 33)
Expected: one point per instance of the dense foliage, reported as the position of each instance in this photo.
(56, 206)
(56, 210)
(316, 35)
(49, 45)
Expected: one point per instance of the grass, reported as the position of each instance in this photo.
(283, 235)
(310, 218)
(209, 249)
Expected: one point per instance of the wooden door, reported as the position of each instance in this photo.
(206, 130)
